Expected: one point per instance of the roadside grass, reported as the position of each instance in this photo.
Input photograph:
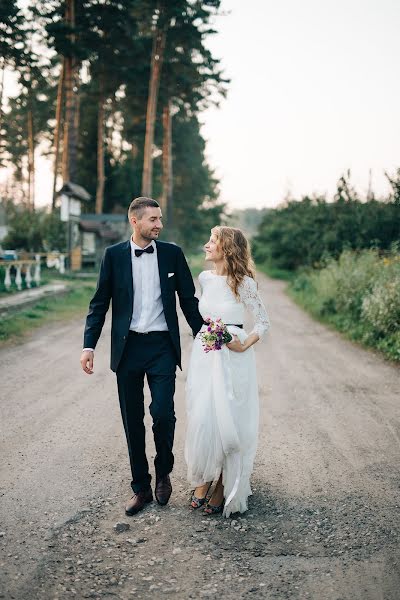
(17, 325)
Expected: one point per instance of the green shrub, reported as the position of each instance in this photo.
(303, 232)
(354, 275)
(359, 294)
(381, 308)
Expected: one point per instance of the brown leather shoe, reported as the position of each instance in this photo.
(138, 501)
(163, 490)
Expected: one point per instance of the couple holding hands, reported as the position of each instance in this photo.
(142, 277)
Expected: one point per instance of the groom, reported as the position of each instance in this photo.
(142, 276)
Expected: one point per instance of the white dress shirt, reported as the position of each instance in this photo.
(148, 310)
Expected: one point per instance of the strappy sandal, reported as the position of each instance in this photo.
(210, 509)
(198, 502)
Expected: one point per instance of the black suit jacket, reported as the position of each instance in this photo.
(115, 283)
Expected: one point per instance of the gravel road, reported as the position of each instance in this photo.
(324, 517)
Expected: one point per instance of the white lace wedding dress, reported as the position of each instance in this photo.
(222, 395)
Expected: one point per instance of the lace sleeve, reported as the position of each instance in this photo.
(251, 299)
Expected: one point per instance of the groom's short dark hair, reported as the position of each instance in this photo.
(138, 205)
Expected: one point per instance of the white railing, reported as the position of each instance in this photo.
(56, 260)
(31, 268)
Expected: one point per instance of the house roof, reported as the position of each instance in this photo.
(101, 229)
(105, 217)
(75, 190)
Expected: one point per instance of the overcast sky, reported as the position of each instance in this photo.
(315, 90)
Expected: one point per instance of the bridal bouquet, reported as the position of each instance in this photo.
(215, 335)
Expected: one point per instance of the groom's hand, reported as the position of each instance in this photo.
(87, 361)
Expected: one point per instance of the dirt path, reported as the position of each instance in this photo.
(324, 518)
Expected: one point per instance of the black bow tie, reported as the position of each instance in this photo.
(149, 250)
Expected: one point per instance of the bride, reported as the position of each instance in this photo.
(221, 387)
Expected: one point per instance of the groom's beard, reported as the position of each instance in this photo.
(154, 236)
(151, 235)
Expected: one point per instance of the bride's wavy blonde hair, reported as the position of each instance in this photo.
(236, 255)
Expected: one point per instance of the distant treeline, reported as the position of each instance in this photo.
(247, 219)
(306, 232)
(111, 91)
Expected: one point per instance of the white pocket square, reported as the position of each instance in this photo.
(170, 274)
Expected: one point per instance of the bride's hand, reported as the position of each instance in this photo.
(236, 345)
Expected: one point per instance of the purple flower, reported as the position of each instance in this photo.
(215, 335)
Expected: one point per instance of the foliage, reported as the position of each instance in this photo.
(195, 202)
(11, 35)
(381, 307)
(37, 231)
(111, 43)
(54, 232)
(306, 232)
(24, 230)
(359, 293)
(191, 77)
(36, 94)
(18, 30)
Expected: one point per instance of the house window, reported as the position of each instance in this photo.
(88, 243)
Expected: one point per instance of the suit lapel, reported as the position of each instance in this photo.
(162, 268)
(126, 266)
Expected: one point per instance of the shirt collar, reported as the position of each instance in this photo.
(136, 247)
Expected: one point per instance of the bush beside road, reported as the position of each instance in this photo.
(358, 294)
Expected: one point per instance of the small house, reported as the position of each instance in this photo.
(72, 196)
(98, 232)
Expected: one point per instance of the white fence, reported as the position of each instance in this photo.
(14, 269)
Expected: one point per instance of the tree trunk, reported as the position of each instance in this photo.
(166, 199)
(100, 150)
(67, 119)
(75, 117)
(157, 55)
(31, 161)
(77, 112)
(70, 134)
(2, 69)
(60, 93)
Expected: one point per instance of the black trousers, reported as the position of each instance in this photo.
(152, 355)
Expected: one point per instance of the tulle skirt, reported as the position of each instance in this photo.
(222, 420)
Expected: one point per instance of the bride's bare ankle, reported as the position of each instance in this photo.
(218, 494)
(202, 490)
